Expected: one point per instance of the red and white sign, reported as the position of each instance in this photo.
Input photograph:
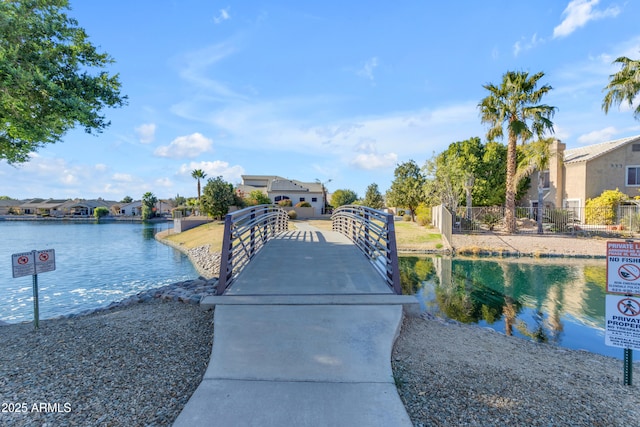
(623, 267)
(622, 322)
(34, 262)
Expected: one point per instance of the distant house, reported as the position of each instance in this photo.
(42, 207)
(131, 209)
(278, 188)
(10, 206)
(163, 207)
(578, 174)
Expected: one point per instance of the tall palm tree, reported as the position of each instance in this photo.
(623, 85)
(198, 174)
(515, 103)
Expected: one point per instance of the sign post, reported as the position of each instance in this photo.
(32, 263)
(623, 312)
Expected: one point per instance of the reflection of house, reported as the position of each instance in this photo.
(278, 188)
(578, 174)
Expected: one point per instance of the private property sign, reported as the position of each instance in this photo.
(622, 322)
(623, 267)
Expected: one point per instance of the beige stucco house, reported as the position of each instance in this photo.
(578, 174)
(278, 188)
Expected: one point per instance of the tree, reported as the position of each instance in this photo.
(373, 198)
(50, 79)
(179, 200)
(514, 104)
(198, 174)
(534, 157)
(149, 201)
(100, 211)
(257, 197)
(407, 189)
(623, 85)
(343, 197)
(126, 199)
(218, 197)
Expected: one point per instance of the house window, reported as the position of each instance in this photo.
(314, 199)
(635, 147)
(302, 199)
(633, 176)
(279, 198)
(546, 182)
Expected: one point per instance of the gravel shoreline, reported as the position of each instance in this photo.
(138, 364)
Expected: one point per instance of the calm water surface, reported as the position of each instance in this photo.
(96, 264)
(558, 301)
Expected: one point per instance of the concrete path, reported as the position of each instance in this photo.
(303, 338)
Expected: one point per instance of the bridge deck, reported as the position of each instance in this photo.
(285, 354)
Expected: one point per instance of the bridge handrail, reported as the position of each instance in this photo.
(245, 232)
(373, 232)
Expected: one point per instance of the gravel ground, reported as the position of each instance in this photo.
(131, 366)
(449, 374)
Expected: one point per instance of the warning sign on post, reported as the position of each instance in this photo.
(34, 262)
(623, 267)
(23, 264)
(622, 322)
(45, 261)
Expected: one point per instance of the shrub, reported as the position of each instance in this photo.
(423, 214)
(602, 209)
(100, 211)
(491, 220)
(406, 218)
(292, 214)
(285, 203)
(303, 205)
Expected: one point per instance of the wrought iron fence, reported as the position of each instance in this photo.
(373, 232)
(245, 232)
(623, 220)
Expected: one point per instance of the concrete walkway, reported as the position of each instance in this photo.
(303, 338)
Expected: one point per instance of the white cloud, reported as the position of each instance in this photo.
(122, 177)
(524, 45)
(370, 161)
(367, 70)
(189, 146)
(578, 13)
(597, 136)
(146, 132)
(213, 169)
(197, 63)
(223, 15)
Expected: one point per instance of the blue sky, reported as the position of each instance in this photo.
(340, 91)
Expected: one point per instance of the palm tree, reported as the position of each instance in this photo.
(514, 103)
(198, 174)
(623, 85)
(534, 156)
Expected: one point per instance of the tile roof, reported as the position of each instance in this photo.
(589, 152)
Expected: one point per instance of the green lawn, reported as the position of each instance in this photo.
(409, 235)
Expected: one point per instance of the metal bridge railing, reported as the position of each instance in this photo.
(245, 232)
(373, 232)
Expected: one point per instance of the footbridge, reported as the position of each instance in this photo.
(305, 320)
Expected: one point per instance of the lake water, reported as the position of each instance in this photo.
(96, 264)
(557, 301)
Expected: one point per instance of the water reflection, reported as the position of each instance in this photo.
(558, 301)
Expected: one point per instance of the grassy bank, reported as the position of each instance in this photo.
(409, 236)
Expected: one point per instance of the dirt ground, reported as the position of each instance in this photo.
(529, 245)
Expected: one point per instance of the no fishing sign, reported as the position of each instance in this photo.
(623, 268)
